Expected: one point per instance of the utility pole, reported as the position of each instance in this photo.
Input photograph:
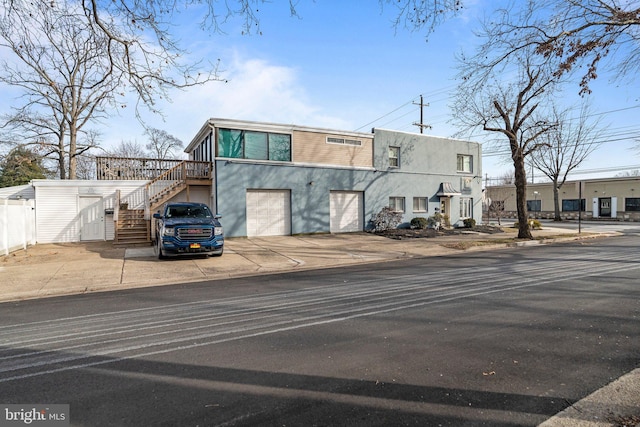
(421, 125)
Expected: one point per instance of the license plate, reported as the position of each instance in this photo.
(194, 246)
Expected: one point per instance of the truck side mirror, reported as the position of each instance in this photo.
(157, 215)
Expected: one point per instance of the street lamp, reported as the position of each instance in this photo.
(535, 204)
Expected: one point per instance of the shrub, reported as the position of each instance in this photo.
(386, 219)
(469, 222)
(419, 222)
(435, 221)
(534, 224)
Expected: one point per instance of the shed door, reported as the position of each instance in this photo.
(268, 213)
(91, 218)
(346, 211)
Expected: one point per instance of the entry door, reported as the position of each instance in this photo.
(91, 218)
(605, 206)
(445, 206)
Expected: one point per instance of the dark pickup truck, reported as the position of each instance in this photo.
(185, 228)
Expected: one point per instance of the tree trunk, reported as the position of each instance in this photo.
(73, 161)
(61, 163)
(556, 201)
(521, 195)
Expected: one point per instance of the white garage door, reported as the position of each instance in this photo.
(268, 213)
(346, 211)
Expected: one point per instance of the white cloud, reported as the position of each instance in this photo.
(257, 90)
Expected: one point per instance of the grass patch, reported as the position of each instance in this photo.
(466, 244)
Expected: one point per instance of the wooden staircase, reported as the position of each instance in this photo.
(164, 195)
(134, 226)
(132, 229)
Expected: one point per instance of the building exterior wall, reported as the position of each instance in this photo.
(622, 189)
(57, 206)
(425, 163)
(312, 147)
(309, 187)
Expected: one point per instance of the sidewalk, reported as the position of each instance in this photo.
(76, 268)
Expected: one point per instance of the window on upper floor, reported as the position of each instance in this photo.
(394, 157)
(419, 204)
(396, 204)
(240, 144)
(465, 163)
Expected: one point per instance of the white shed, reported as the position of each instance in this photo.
(79, 210)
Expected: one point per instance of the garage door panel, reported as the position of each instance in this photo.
(346, 211)
(268, 213)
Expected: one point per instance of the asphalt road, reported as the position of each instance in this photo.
(497, 338)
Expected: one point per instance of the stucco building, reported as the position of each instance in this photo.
(269, 179)
(602, 198)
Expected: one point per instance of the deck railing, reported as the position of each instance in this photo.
(129, 168)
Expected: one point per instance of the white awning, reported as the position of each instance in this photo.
(447, 190)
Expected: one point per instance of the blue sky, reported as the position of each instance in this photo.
(342, 65)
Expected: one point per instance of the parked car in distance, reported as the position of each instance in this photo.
(185, 228)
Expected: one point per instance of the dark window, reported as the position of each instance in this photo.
(239, 144)
(230, 143)
(465, 163)
(394, 157)
(632, 204)
(255, 146)
(534, 205)
(572, 205)
(279, 147)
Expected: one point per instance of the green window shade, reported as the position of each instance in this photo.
(255, 146)
(279, 147)
(230, 143)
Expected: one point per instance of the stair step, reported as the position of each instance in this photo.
(132, 231)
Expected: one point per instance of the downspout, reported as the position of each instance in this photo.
(214, 153)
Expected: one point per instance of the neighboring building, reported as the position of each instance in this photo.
(272, 179)
(268, 179)
(606, 198)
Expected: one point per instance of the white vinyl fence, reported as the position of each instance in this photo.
(17, 225)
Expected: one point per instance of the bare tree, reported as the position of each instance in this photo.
(162, 144)
(416, 15)
(566, 147)
(128, 149)
(497, 198)
(65, 81)
(574, 35)
(47, 134)
(507, 178)
(497, 103)
(138, 39)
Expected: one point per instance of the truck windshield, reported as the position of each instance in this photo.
(188, 212)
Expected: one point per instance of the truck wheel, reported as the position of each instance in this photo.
(217, 255)
(157, 248)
